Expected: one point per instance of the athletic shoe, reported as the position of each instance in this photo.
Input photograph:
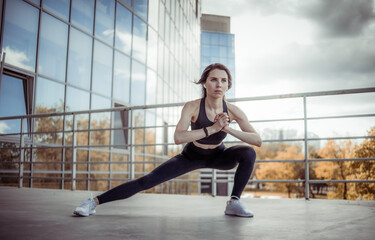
(236, 208)
(87, 208)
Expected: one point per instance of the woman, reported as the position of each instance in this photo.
(209, 118)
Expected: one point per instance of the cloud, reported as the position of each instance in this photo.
(339, 18)
(4, 127)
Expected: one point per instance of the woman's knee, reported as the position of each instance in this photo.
(248, 154)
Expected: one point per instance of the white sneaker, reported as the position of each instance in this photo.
(87, 208)
(236, 208)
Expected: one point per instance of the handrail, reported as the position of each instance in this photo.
(25, 144)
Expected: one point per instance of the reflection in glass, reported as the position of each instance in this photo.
(104, 23)
(121, 78)
(77, 100)
(140, 8)
(58, 7)
(83, 14)
(102, 69)
(123, 29)
(139, 39)
(153, 13)
(37, 2)
(138, 83)
(20, 34)
(152, 53)
(100, 120)
(49, 96)
(12, 103)
(151, 87)
(79, 63)
(52, 50)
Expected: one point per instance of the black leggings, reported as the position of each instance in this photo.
(191, 158)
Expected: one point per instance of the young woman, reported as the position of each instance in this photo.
(209, 118)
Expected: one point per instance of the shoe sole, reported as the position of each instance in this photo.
(236, 215)
(83, 215)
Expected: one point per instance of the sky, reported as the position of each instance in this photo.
(285, 46)
(290, 46)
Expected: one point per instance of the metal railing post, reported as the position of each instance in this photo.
(74, 153)
(307, 172)
(131, 148)
(213, 182)
(22, 154)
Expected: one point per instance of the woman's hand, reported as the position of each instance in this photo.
(221, 121)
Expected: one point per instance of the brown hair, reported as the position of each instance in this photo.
(207, 71)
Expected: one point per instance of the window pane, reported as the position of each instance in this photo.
(49, 96)
(52, 50)
(121, 77)
(12, 103)
(151, 87)
(37, 2)
(127, 2)
(20, 34)
(123, 29)
(153, 13)
(152, 52)
(83, 14)
(105, 16)
(138, 83)
(58, 7)
(79, 65)
(139, 40)
(77, 99)
(102, 69)
(140, 8)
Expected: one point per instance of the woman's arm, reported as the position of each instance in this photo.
(248, 133)
(182, 135)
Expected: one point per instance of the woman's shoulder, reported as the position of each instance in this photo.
(234, 110)
(192, 105)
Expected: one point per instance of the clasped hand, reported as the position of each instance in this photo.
(221, 121)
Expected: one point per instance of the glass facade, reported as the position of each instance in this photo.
(77, 55)
(218, 47)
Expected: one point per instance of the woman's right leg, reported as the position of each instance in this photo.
(172, 168)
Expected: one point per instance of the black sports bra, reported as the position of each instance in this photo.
(203, 121)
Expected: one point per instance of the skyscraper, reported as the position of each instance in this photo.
(217, 45)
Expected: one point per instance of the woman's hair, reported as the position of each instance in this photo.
(207, 71)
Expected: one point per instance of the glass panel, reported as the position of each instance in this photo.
(139, 39)
(121, 119)
(153, 13)
(105, 16)
(49, 96)
(102, 69)
(100, 120)
(12, 103)
(58, 7)
(37, 2)
(83, 14)
(20, 34)
(123, 29)
(52, 50)
(79, 63)
(122, 77)
(127, 2)
(152, 52)
(140, 8)
(77, 100)
(138, 83)
(151, 87)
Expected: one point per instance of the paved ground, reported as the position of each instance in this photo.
(47, 214)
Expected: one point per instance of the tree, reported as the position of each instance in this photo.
(364, 170)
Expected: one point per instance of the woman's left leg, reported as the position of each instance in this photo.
(242, 155)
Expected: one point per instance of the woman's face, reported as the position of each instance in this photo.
(216, 83)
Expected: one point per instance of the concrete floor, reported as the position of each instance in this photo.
(47, 214)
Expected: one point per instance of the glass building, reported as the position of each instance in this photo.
(73, 55)
(217, 45)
